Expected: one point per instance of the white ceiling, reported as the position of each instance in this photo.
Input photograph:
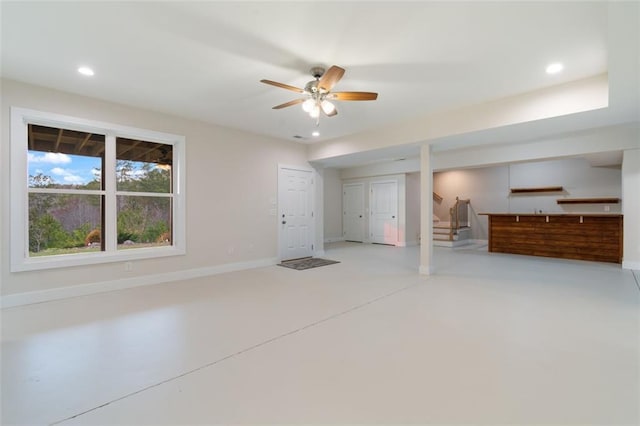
(204, 60)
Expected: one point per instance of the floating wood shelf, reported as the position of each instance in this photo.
(539, 189)
(437, 197)
(588, 200)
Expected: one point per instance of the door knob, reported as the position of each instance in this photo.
(360, 215)
(393, 217)
(284, 222)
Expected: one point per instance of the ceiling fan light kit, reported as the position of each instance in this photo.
(318, 93)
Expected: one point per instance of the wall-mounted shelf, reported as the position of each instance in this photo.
(538, 189)
(437, 197)
(588, 200)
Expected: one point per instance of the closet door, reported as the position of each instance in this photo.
(383, 205)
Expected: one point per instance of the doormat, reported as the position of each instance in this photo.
(306, 263)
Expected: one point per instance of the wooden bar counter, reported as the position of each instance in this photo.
(595, 237)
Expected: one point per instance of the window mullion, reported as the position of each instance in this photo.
(110, 202)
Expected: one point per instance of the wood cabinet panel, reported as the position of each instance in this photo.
(582, 237)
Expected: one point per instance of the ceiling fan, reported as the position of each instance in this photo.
(319, 95)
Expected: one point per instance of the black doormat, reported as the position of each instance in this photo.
(306, 263)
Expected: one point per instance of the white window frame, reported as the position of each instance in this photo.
(20, 259)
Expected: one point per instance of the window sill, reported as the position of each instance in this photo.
(65, 261)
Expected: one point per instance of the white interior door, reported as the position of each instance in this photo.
(353, 212)
(295, 215)
(383, 205)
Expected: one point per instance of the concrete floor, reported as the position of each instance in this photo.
(488, 339)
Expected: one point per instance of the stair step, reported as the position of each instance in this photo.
(442, 231)
(443, 235)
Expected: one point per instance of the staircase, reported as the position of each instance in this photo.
(457, 231)
(445, 236)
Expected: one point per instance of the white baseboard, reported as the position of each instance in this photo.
(631, 264)
(19, 299)
(460, 243)
(334, 239)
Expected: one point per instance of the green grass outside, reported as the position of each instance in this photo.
(79, 250)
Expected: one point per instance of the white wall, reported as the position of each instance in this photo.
(593, 141)
(332, 205)
(631, 208)
(231, 182)
(408, 165)
(489, 189)
(578, 179)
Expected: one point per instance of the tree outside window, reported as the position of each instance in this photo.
(67, 192)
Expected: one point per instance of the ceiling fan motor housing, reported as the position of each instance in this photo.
(311, 87)
(317, 72)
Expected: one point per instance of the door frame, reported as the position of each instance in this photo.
(312, 192)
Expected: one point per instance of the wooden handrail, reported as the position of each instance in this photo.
(458, 214)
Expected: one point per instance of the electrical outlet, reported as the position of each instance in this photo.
(128, 266)
(607, 208)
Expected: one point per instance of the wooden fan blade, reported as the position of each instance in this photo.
(330, 78)
(290, 103)
(282, 85)
(354, 96)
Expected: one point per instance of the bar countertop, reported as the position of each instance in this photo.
(555, 214)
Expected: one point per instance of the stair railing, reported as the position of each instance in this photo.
(458, 216)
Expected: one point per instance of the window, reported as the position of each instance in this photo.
(86, 192)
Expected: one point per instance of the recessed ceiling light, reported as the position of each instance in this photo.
(554, 68)
(86, 71)
(316, 133)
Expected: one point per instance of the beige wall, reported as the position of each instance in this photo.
(332, 205)
(487, 188)
(231, 182)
